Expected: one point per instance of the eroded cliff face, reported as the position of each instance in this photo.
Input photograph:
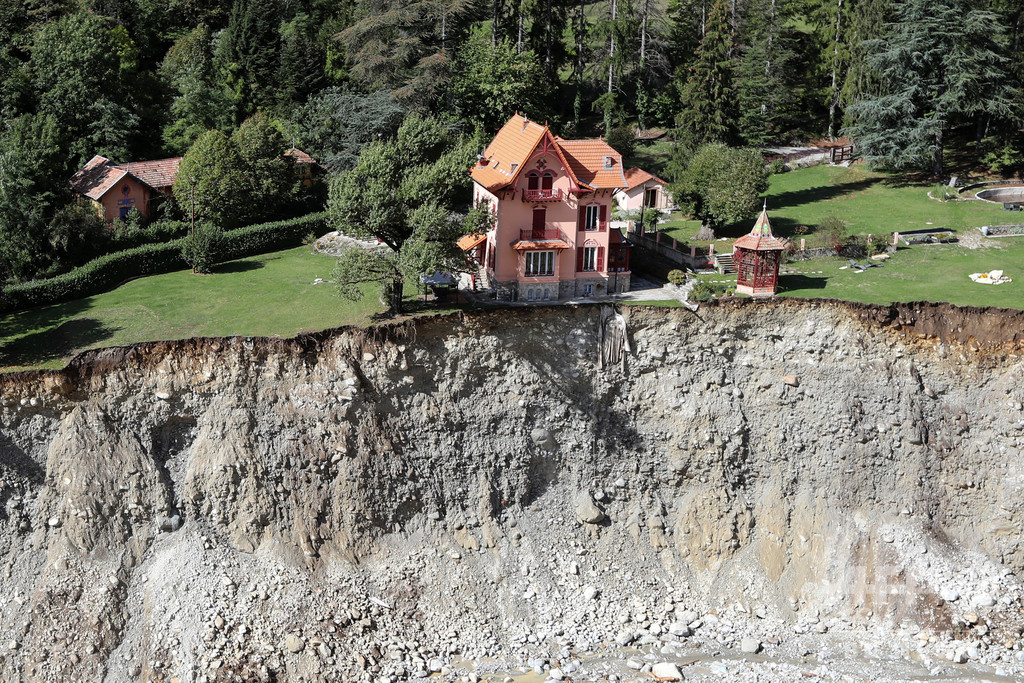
(362, 504)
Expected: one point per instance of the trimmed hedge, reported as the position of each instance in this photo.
(109, 271)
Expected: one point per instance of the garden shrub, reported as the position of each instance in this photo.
(677, 277)
(833, 232)
(702, 291)
(201, 249)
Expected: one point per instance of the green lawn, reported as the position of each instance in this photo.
(868, 201)
(263, 295)
(935, 272)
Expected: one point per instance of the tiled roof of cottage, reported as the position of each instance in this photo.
(594, 162)
(96, 177)
(100, 174)
(761, 237)
(300, 156)
(637, 176)
(158, 174)
(591, 163)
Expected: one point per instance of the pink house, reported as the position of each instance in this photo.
(642, 189)
(115, 189)
(551, 200)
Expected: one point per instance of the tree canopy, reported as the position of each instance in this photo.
(940, 64)
(722, 184)
(402, 193)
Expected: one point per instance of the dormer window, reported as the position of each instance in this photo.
(609, 161)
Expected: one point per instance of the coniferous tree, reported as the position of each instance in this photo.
(337, 123)
(200, 103)
(766, 83)
(251, 44)
(865, 20)
(406, 46)
(708, 113)
(940, 64)
(303, 61)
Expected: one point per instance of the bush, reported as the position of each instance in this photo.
(702, 291)
(677, 277)
(877, 244)
(777, 166)
(110, 270)
(201, 249)
(943, 193)
(833, 232)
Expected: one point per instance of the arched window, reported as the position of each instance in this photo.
(547, 180)
(532, 181)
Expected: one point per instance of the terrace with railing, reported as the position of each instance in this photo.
(549, 195)
(542, 235)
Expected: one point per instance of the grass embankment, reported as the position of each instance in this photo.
(266, 295)
(868, 202)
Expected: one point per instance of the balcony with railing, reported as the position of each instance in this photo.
(549, 195)
(542, 235)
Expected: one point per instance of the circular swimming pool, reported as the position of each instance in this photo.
(1003, 195)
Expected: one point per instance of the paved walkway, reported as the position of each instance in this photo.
(640, 290)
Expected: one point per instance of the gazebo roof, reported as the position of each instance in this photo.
(761, 237)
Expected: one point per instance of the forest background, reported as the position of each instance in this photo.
(235, 82)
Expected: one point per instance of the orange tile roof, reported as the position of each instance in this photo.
(96, 177)
(513, 145)
(761, 237)
(504, 158)
(300, 156)
(100, 174)
(158, 174)
(531, 245)
(468, 242)
(637, 176)
(594, 162)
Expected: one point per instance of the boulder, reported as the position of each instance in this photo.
(750, 646)
(666, 671)
(587, 510)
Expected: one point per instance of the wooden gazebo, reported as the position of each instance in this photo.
(757, 256)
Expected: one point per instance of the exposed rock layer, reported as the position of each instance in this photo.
(169, 507)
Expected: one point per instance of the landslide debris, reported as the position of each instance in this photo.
(778, 490)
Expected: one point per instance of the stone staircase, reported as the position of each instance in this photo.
(723, 263)
(481, 281)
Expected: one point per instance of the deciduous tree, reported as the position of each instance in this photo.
(211, 184)
(489, 81)
(270, 181)
(402, 192)
(76, 75)
(722, 184)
